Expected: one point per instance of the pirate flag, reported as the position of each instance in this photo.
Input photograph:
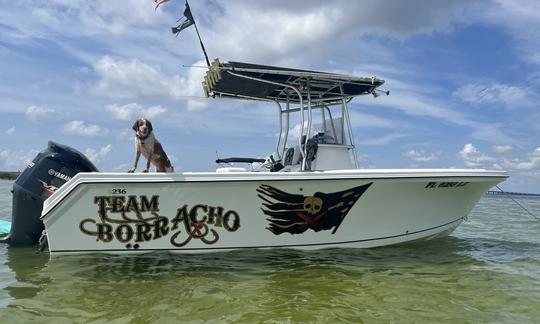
(296, 213)
(188, 21)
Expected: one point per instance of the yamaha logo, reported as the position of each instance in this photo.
(59, 175)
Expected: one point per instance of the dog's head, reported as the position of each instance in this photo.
(143, 127)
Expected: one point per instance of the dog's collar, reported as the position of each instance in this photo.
(142, 138)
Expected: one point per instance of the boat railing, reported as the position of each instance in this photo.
(299, 96)
(307, 90)
(302, 107)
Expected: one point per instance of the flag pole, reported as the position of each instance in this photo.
(200, 40)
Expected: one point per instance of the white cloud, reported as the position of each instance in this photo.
(413, 103)
(118, 17)
(154, 111)
(493, 93)
(491, 133)
(285, 30)
(197, 105)
(130, 79)
(79, 127)
(35, 113)
(473, 158)
(502, 148)
(10, 131)
(125, 134)
(363, 120)
(301, 27)
(132, 111)
(96, 17)
(125, 112)
(531, 163)
(422, 156)
(522, 19)
(134, 79)
(97, 156)
(122, 167)
(408, 99)
(16, 160)
(382, 140)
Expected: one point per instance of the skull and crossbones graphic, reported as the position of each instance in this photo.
(295, 213)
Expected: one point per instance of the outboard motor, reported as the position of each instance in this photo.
(49, 170)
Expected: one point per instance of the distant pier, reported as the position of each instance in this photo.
(509, 193)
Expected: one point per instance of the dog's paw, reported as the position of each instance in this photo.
(145, 171)
(131, 170)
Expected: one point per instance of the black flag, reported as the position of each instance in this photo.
(186, 23)
(295, 214)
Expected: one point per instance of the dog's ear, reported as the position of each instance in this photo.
(136, 125)
(149, 126)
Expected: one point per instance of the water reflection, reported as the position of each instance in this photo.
(323, 285)
(27, 268)
(33, 272)
(252, 262)
(37, 270)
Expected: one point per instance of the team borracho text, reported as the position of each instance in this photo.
(136, 219)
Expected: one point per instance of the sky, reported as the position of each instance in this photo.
(463, 78)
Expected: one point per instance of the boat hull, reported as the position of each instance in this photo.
(204, 212)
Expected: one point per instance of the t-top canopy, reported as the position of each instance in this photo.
(253, 81)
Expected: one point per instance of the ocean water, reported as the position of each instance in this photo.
(488, 270)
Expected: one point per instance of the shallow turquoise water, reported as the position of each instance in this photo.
(488, 270)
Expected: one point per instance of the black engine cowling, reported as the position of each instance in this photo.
(49, 170)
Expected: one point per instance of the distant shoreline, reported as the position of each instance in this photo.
(9, 175)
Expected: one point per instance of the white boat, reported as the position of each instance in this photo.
(222, 211)
(312, 194)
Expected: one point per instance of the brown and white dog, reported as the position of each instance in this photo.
(147, 144)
